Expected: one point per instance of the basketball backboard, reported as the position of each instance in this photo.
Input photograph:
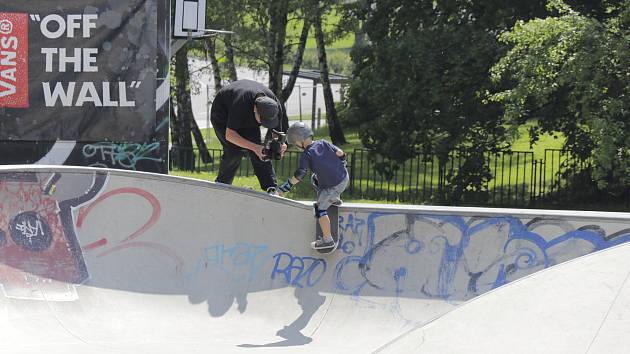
(190, 18)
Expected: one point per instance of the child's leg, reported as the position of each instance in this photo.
(324, 223)
(326, 240)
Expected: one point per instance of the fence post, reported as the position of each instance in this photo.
(532, 183)
(351, 159)
(319, 118)
(300, 100)
(314, 106)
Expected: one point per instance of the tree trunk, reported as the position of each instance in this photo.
(278, 18)
(214, 63)
(299, 56)
(185, 120)
(182, 140)
(229, 56)
(174, 124)
(201, 143)
(334, 126)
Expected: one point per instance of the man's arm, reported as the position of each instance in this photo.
(235, 138)
(283, 126)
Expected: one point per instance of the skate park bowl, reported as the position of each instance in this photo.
(109, 261)
(581, 306)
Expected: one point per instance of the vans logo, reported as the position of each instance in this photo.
(13, 60)
(6, 27)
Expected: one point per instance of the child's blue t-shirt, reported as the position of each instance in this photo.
(321, 158)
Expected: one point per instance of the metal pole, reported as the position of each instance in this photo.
(314, 105)
(207, 139)
(319, 118)
(300, 100)
(207, 113)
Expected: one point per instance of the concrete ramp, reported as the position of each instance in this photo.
(582, 306)
(105, 261)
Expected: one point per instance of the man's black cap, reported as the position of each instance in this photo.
(268, 109)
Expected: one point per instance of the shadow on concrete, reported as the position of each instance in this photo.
(310, 301)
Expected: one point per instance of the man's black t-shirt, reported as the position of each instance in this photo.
(233, 106)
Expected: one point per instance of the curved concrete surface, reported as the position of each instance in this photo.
(582, 306)
(105, 261)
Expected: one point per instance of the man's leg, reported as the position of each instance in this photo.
(263, 169)
(230, 160)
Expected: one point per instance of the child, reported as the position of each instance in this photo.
(330, 176)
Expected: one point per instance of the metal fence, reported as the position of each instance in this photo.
(422, 179)
(516, 178)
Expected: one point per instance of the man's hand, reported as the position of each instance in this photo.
(259, 152)
(276, 135)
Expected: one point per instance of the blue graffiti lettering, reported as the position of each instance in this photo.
(455, 257)
(297, 269)
(242, 260)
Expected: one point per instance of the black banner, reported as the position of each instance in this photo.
(79, 70)
(147, 156)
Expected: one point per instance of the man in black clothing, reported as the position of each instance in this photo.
(238, 111)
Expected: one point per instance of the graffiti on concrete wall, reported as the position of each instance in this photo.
(42, 252)
(39, 248)
(298, 271)
(387, 255)
(452, 257)
(393, 256)
(241, 260)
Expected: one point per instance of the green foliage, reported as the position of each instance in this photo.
(420, 83)
(572, 73)
(470, 184)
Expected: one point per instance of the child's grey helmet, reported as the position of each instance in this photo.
(298, 132)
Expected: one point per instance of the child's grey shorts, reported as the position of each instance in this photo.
(328, 196)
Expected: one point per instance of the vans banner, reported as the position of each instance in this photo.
(82, 70)
(13, 60)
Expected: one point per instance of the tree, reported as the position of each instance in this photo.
(223, 15)
(180, 129)
(571, 72)
(262, 41)
(183, 121)
(211, 50)
(421, 79)
(334, 126)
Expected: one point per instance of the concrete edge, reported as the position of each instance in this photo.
(151, 176)
(385, 208)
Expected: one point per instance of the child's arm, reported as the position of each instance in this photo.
(291, 181)
(342, 156)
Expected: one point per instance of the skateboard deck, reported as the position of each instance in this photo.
(333, 215)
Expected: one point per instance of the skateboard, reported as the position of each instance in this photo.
(333, 215)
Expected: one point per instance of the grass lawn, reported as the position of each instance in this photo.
(417, 177)
(545, 141)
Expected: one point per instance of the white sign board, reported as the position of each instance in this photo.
(190, 18)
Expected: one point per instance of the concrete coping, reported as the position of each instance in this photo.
(429, 209)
